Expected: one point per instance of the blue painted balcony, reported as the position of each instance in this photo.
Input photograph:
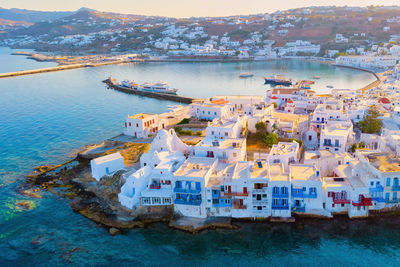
(299, 208)
(297, 192)
(377, 189)
(396, 188)
(187, 190)
(310, 195)
(280, 207)
(193, 202)
(280, 195)
(378, 199)
(392, 201)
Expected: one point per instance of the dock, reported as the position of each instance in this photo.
(162, 96)
(59, 68)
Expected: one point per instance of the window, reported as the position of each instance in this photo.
(394, 195)
(387, 196)
(284, 190)
(284, 202)
(215, 113)
(275, 202)
(372, 183)
(313, 190)
(388, 181)
(129, 124)
(275, 190)
(226, 133)
(215, 201)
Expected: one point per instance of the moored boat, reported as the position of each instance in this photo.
(160, 87)
(246, 74)
(278, 80)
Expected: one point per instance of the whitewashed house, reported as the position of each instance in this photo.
(106, 165)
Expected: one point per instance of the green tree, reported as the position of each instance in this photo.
(371, 122)
(271, 139)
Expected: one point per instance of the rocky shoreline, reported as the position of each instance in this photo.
(98, 201)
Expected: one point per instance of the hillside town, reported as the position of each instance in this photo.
(289, 152)
(324, 33)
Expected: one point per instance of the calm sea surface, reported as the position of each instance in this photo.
(44, 117)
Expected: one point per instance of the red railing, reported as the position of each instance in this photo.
(341, 201)
(236, 194)
(152, 186)
(364, 202)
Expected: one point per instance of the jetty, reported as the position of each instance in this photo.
(59, 68)
(162, 96)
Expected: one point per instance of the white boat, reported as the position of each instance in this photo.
(130, 84)
(160, 87)
(246, 74)
(329, 86)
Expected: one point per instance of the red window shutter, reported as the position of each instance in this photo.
(245, 190)
(137, 125)
(125, 125)
(129, 124)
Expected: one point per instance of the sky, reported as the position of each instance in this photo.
(184, 8)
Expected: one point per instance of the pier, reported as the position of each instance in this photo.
(59, 68)
(162, 96)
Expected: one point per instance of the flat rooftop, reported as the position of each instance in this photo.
(210, 141)
(260, 170)
(222, 123)
(107, 158)
(383, 161)
(283, 148)
(303, 172)
(195, 167)
(276, 173)
(335, 182)
(141, 116)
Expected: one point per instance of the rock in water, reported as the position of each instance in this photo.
(114, 231)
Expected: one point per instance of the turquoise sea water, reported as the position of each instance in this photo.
(44, 117)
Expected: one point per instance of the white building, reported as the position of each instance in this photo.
(106, 165)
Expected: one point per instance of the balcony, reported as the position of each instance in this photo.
(378, 199)
(391, 201)
(299, 193)
(299, 208)
(155, 186)
(396, 188)
(377, 189)
(187, 190)
(238, 204)
(364, 202)
(280, 207)
(192, 202)
(280, 195)
(341, 201)
(234, 194)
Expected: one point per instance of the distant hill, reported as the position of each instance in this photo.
(15, 14)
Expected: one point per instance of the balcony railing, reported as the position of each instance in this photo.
(155, 186)
(235, 194)
(396, 188)
(187, 190)
(187, 202)
(377, 189)
(299, 208)
(364, 202)
(239, 207)
(280, 195)
(391, 201)
(280, 207)
(341, 201)
(378, 199)
(301, 194)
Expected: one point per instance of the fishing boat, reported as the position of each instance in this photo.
(329, 86)
(246, 74)
(278, 80)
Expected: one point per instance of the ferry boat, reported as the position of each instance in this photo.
(160, 87)
(130, 84)
(278, 80)
(246, 74)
